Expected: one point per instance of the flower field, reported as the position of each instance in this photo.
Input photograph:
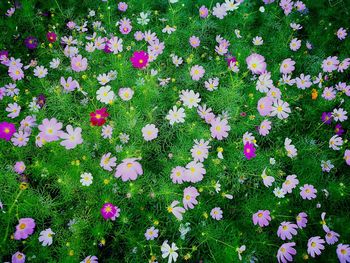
(174, 131)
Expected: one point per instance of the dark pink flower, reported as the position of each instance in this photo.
(139, 59)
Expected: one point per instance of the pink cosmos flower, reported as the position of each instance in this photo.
(18, 257)
(129, 169)
(69, 84)
(256, 63)
(107, 162)
(301, 220)
(78, 63)
(20, 138)
(329, 93)
(203, 12)
(265, 106)
(16, 73)
(267, 180)
(90, 259)
(178, 175)
(265, 127)
(189, 199)
(125, 26)
(331, 236)
(347, 157)
(308, 192)
(151, 233)
(19, 167)
(46, 237)
(126, 93)
(122, 6)
(295, 44)
(110, 211)
(262, 217)
(303, 81)
(194, 41)
(50, 130)
(314, 246)
(287, 66)
(216, 213)
(290, 183)
(177, 211)
(285, 252)
(139, 59)
(330, 64)
(72, 138)
(343, 253)
(220, 11)
(287, 230)
(14, 110)
(249, 150)
(197, 72)
(24, 228)
(194, 172)
(71, 25)
(341, 33)
(219, 128)
(149, 132)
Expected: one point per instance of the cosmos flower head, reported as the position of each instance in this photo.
(110, 211)
(31, 42)
(139, 59)
(98, 117)
(7, 130)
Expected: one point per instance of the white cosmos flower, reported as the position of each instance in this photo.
(176, 115)
(86, 179)
(169, 252)
(105, 94)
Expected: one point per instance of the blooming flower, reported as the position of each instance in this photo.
(301, 220)
(176, 115)
(219, 10)
(267, 180)
(46, 237)
(90, 259)
(151, 233)
(24, 228)
(203, 12)
(339, 114)
(216, 213)
(178, 175)
(290, 183)
(194, 41)
(249, 150)
(139, 59)
(14, 110)
(194, 172)
(105, 94)
(307, 191)
(18, 257)
(262, 217)
(264, 128)
(286, 230)
(129, 169)
(335, 142)
(78, 63)
(107, 162)
(72, 138)
(219, 128)
(19, 167)
(343, 253)
(285, 252)
(256, 63)
(280, 109)
(197, 72)
(31, 42)
(314, 246)
(189, 199)
(295, 44)
(50, 130)
(126, 94)
(330, 64)
(168, 251)
(69, 84)
(287, 66)
(110, 211)
(149, 132)
(86, 179)
(331, 236)
(98, 118)
(189, 98)
(177, 211)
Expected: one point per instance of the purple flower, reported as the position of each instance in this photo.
(41, 100)
(314, 246)
(7, 130)
(110, 211)
(327, 117)
(301, 220)
(203, 12)
(339, 129)
(249, 150)
(151, 233)
(31, 42)
(308, 191)
(24, 228)
(216, 213)
(262, 217)
(343, 253)
(285, 252)
(286, 230)
(122, 6)
(19, 167)
(18, 257)
(331, 236)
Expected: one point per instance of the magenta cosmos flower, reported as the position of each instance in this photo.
(301, 220)
(308, 191)
(256, 63)
(31, 42)
(285, 252)
(129, 169)
(262, 217)
(78, 63)
(139, 59)
(343, 253)
(18, 257)
(110, 211)
(189, 199)
(249, 150)
(51, 37)
(24, 228)
(314, 246)
(219, 128)
(287, 230)
(7, 130)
